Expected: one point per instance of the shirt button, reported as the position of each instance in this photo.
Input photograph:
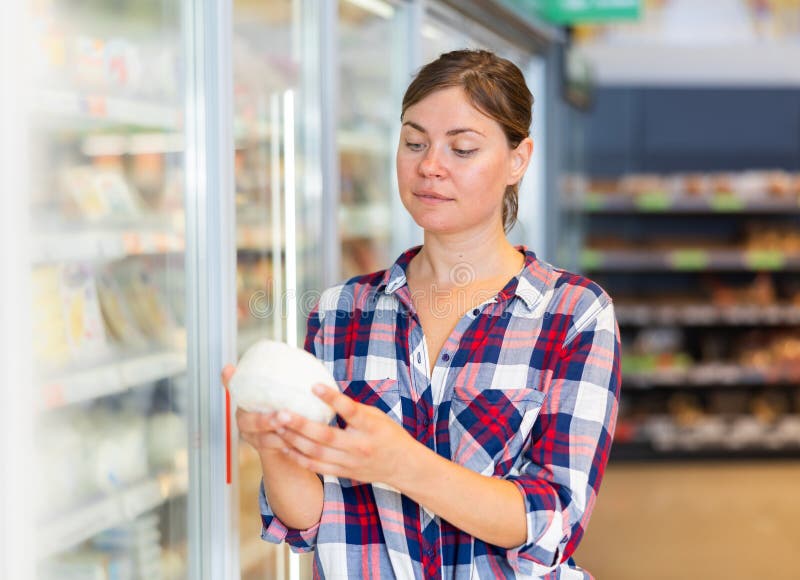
(445, 357)
(476, 312)
(426, 421)
(419, 358)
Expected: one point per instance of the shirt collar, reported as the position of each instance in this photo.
(529, 285)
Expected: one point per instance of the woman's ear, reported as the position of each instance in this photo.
(520, 157)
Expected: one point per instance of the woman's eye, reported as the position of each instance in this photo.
(464, 152)
(414, 146)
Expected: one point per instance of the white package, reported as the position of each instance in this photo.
(273, 375)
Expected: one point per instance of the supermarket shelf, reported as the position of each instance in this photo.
(106, 109)
(645, 451)
(708, 315)
(104, 245)
(658, 202)
(689, 260)
(710, 436)
(713, 375)
(60, 533)
(364, 142)
(255, 238)
(371, 221)
(109, 379)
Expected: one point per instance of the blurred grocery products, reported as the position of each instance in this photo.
(702, 268)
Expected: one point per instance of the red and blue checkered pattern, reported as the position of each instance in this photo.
(526, 389)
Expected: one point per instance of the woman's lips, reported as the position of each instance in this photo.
(431, 197)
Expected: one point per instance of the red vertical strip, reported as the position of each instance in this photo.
(227, 437)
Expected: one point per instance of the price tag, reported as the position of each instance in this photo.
(591, 259)
(594, 201)
(95, 105)
(689, 259)
(53, 395)
(654, 201)
(765, 260)
(726, 202)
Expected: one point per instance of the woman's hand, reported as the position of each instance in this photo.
(372, 448)
(258, 429)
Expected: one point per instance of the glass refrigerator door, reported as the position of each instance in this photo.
(107, 289)
(373, 71)
(278, 212)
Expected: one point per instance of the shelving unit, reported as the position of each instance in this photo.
(61, 532)
(104, 245)
(691, 259)
(110, 379)
(707, 301)
(708, 315)
(662, 202)
(107, 193)
(113, 110)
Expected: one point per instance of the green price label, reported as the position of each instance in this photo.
(654, 201)
(765, 260)
(725, 202)
(591, 259)
(689, 259)
(594, 201)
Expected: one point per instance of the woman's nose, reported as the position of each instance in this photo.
(430, 164)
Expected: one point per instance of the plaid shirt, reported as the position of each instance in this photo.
(526, 389)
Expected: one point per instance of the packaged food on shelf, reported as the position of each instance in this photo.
(167, 435)
(49, 323)
(86, 335)
(117, 315)
(89, 564)
(98, 193)
(116, 447)
(146, 301)
(772, 237)
(747, 186)
(62, 457)
(140, 539)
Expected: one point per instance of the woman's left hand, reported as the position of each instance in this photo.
(372, 448)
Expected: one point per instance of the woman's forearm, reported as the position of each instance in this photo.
(294, 494)
(490, 509)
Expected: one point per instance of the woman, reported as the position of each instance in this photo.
(480, 384)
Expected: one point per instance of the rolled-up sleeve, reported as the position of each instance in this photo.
(567, 451)
(273, 529)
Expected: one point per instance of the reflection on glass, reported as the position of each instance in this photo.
(108, 289)
(365, 138)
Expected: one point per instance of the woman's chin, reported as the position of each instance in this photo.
(437, 224)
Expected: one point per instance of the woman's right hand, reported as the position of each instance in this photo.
(259, 429)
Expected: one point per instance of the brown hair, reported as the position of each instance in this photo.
(495, 86)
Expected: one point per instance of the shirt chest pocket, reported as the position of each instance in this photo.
(489, 427)
(383, 394)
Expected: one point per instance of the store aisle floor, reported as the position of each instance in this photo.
(702, 521)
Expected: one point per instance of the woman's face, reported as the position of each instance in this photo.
(454, 163)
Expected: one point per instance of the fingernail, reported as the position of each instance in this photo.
(318, 389)
(284, 417)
